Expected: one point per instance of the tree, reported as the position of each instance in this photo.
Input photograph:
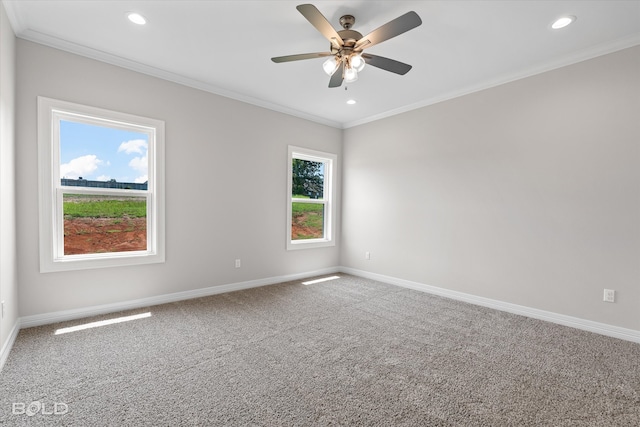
(308, 178)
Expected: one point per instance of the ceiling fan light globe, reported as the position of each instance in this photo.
(357, 62)
(350, 75)
(330, 66)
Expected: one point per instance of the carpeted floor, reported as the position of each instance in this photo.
(349, 351)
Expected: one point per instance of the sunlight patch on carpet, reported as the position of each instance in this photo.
(102, 323)
(324, 279)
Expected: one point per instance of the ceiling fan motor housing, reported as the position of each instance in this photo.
(350, 37)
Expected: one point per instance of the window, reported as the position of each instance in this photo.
(101, 187)
(311, 208)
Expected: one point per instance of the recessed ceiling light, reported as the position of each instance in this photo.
(351, 101)
(563, 22)
(136, 18)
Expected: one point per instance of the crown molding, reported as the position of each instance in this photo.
(574, 58)
(17, 24)
(25, 33)
(98, 55)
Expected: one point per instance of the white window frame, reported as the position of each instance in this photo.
(331, 163)
(52, 258)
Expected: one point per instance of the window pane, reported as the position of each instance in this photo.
(307, 179)
(307, 221)
(97, 224)
(99, 156)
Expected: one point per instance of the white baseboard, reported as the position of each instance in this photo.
(62, 316)
(8, 344)
(561, 319)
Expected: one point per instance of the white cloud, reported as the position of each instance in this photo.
(80, 167)
(134, 146)
(103, 178)
(140, 164)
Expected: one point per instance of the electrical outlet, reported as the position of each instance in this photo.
(609, 295)
(367, 255)
(238, 263)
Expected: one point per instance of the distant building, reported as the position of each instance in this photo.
(112, 183)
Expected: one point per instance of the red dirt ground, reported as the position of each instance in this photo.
(97, 235)
(298, 230)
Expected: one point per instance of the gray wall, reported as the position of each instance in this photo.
(528, 193)
(239, 149)
(8, 271)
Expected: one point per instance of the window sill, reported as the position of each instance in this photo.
(84, 262)
(309, 244)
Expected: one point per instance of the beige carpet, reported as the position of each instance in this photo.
(344, 352)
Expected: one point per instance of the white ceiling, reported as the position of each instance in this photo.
(225, 46)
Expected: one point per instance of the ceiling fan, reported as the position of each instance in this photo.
(346, 56)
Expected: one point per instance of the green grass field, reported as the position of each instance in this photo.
(307, 220)
(82, 206)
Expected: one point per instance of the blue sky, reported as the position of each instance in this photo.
(102, 153)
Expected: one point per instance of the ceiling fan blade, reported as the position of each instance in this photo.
(400, 25)
(300, 57)
(387, 64)
(318, 20)
(336, 78)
